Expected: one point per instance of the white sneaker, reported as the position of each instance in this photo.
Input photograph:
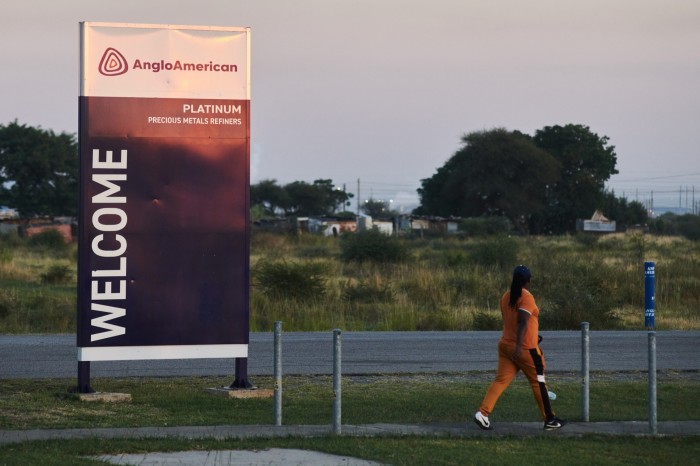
(482, 421)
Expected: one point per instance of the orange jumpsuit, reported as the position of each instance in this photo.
(531, 360)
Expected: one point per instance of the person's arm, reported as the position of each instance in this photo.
(523, 317)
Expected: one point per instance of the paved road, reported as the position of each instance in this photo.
(54, 356)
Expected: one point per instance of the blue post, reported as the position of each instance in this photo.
(649, 295)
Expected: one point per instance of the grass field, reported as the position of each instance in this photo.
(441, 283)
(26, 404)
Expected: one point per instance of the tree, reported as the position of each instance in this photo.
(38, 171)
(687, 225)
(270, 196)
(298, 197)
(319, 198)
(587, 162)
(495, 173)
(623, 212)
(377, 209)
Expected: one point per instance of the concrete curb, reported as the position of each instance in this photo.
(463, 430)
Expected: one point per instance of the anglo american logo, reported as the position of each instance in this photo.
(113, 63)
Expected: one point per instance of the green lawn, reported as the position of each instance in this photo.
(32, 404)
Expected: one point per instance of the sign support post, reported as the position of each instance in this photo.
(241, 381)
(84, 378)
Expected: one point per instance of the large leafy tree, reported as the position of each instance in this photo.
(270, 196)
(587, 162)
(319, 198)
(38, 171)
(376, 208)
(623, 212)
(496, 173)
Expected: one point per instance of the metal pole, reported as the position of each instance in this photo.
(337, 391)
(278, 373)
(652, 383)
(585, 371)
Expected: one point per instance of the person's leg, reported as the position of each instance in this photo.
(533, 365)
(505, 373)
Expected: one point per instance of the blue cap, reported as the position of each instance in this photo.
(522, 271)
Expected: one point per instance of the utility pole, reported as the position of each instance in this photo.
(358, 204)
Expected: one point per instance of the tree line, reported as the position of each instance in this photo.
(541, 184)
(38, 171)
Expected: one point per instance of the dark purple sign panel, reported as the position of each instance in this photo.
(163, 268)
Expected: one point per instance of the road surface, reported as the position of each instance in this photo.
(54, 356)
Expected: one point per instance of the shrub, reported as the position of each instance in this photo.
(291, 280)
(484, 226)
(500, 251)
(372, 246)
(578, 292)
(689, 226)
(455, 259)
(56, 274)
(49, 240)
(486, 321)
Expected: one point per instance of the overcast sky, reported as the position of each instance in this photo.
(383, 90)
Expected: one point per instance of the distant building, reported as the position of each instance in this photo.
(329, 226)
(598, 224)
(8, 213)
(439, 225)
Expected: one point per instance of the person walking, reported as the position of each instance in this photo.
(518, 349)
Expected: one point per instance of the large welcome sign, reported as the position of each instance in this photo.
(164, 151)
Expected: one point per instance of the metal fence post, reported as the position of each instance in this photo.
(337, 389)
(585, 371)
(652, 383)
(278, 373)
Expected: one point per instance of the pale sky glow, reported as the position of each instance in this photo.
(383, 90)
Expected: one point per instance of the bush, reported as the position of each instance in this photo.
(371, 246)
(56, 274)
(291, 280)
(484, 226)
(487, 321)
(49, 240)
(578, 292)
(689, 226)
(499, 251)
